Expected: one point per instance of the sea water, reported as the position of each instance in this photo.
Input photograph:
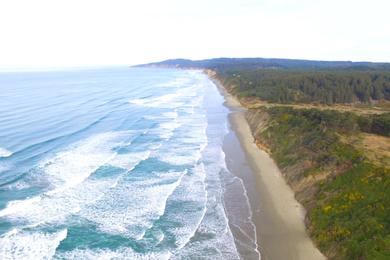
(115, 163)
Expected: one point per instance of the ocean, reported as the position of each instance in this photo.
(118, 163)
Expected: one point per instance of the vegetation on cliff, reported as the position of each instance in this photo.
(348, 214)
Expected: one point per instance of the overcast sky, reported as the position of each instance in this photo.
(53, 33)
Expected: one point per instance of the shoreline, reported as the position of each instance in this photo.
(278, 216)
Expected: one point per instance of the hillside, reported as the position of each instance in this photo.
(325, 158)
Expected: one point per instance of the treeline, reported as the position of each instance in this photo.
(257, 63)
(343, 122)
(309, 86)
(348, 215)
(377, 124)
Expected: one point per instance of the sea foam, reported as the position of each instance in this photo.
(5, 153)
(164, 101)
(68, 172)
(124, 253)
(25, 245)
(132, 206)
(72, 166)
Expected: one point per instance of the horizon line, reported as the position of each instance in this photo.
(74, 67)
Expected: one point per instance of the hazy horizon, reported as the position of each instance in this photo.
(46, 34)
(107, 66)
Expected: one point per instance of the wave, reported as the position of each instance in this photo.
(185, 234)
(36, 145)
(34, 151)
(68, 173)
(71, 167)
(167, 123)
(18, 205)
(129, 161)
(175, 185)
(25, 120)
(181, 155)
(214, 223)
(250, 218)
(5, 153)
(124, 253)
(183, 97)
(178, 82)
(170, 114)
(3, 168)
(243, 219)
(26, 245)
(165, 115)
(50, 209)
(166, 129)
(164, 101)
(185, 210)
(132, 207)
(188, 144)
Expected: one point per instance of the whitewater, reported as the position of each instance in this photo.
(117, 163)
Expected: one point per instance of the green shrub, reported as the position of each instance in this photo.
(350, 218)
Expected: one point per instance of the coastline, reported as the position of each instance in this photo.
(278, 216)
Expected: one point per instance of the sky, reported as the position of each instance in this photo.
(73, 33)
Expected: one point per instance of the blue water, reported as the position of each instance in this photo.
(114, 163)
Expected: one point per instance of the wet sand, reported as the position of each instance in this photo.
(278, 217)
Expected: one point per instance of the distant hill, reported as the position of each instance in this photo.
(257, 63)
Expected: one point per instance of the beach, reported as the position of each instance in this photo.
(278, 217)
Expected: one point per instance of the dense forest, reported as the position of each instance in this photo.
(308, 86)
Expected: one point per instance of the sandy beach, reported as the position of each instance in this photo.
(278, 217)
